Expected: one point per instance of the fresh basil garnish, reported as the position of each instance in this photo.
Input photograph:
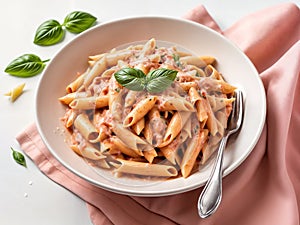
(48, 33)
(159, 79)
(18, 157)
(133, 79)
(26, 65)
(77, 21)
(155, 81)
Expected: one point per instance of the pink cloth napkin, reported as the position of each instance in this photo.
(265, 189)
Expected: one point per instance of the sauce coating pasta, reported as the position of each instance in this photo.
(163, 134)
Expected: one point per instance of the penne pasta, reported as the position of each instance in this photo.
(100, 125)
(150, 155)
(170, 151)
(192, 151)
(15, 92)
(208, 59)
(210, 147)
(113, 58)
(130, 98)
(114, 103)
(212, 72)
(69, 118)
(98, 68)
(89, 102)
(174, 127)
(193, 60)
(74, 86)
(88, 152)
(225, 87)
(139, 111)
(137, 132)
(155, 127)
(109, 72)
(68, 98)
(96, 57)
(145, 169)
(211, 121)
(148, 132)
(148, 48)
(116, 145)
(139, 126)
(175, 103)
(198, 101)
(198, 71)
(86, 128)
(130, 139)
(218, 103)
(187, 85)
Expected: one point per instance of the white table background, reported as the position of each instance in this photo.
(27, 196)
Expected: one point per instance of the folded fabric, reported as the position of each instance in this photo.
(265, 189)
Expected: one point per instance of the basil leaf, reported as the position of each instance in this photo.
(77, 21)
(18, 157)
(26, 65)
(48, 33)
(155, 81)
(133, 79)
(160, 79)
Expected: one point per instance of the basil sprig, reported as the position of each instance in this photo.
(48, 33)
(52, 32)
(77, 22)
(155, 81)
(18, 157)
(26, 65)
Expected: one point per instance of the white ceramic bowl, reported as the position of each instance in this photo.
(234, 65)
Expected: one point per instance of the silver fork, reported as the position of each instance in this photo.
(211, 195)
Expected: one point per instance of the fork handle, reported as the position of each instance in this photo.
(211, 195)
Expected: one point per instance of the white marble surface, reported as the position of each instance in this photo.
(27, 196)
